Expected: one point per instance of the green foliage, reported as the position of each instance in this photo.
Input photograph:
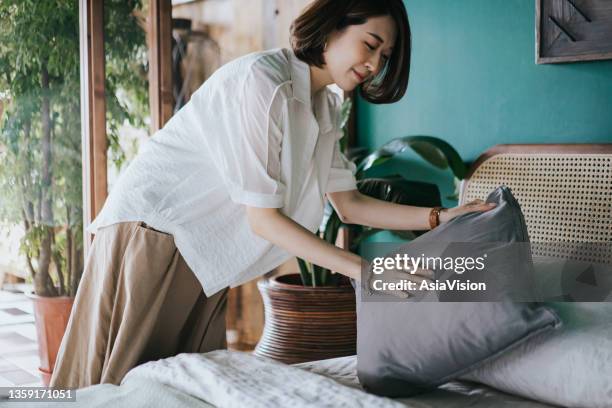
(126, 75)
(40, 124)
(435, 151)
(391, 188)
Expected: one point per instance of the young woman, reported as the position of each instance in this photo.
(233, 186)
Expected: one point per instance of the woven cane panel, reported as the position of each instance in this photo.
(566, 200)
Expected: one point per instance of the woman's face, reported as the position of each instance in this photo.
(359, 52)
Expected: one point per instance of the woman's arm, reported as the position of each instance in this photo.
(272, 225)
(353, 208)
(356, 208)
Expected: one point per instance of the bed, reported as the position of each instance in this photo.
(238, 379)
(565, 192)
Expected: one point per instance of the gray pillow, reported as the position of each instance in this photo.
(407, 347)
(573, 368)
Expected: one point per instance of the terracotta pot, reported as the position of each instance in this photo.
(305, 323)
(51, 316)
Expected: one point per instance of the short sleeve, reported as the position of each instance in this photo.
(250, 142)
(342, 172)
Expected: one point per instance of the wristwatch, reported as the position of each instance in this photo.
(434, 217)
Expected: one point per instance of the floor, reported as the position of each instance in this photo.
(18, 346)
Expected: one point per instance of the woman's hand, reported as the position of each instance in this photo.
(396, 276)
(472, 206)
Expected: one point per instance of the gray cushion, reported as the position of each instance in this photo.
(407, 347)
(573, 368)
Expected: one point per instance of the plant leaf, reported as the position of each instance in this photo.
(432, 149)
(304, 272)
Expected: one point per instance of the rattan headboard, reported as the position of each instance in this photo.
(565, 192)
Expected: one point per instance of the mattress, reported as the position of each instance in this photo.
(455, 394)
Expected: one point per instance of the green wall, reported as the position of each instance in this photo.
(475, 84)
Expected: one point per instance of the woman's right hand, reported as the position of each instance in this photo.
(395, 276)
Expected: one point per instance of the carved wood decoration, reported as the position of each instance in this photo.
(573, 30)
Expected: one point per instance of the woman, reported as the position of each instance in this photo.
(233, 186)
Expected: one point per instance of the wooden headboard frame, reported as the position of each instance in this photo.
(565, 192)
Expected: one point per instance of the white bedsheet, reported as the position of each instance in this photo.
(234, 379)
(237, 379)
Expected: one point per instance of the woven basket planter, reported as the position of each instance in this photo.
(304, 323)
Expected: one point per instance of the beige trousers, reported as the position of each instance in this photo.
(137, 301)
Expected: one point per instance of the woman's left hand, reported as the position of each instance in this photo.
(472, 206)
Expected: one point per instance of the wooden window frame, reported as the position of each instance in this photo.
(94, 143)
(161, 95)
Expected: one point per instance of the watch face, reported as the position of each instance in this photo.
(570, 30)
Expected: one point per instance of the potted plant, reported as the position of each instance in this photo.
(40, 144)
(311, 315)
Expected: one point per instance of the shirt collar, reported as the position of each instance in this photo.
(300, 79)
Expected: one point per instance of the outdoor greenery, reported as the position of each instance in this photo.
(40, 126)
(393, 188)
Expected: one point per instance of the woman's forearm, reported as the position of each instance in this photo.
(282, 231)
(376, 213)
(356, 208)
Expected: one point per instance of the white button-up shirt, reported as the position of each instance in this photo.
(250, 135)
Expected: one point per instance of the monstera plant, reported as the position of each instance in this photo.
(393, 188)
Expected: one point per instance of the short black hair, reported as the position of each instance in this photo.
(310, 31)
